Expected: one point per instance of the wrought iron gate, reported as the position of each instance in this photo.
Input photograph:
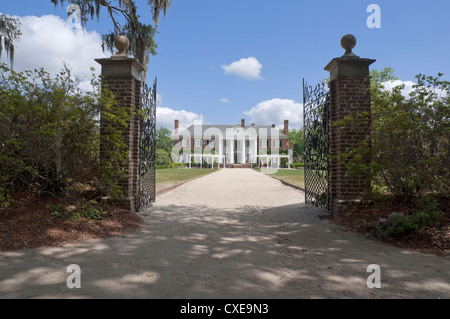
(316, 102)
(147, 146)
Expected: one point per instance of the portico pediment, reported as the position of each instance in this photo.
(240, 132)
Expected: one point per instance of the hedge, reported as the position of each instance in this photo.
(172, 165)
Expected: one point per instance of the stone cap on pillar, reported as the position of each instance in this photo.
(349, 65)
(120, 65)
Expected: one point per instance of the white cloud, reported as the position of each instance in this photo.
(389, 85)
(276, 111)
(247, 68)
(47, 42)
(225, 100)
(165, 117)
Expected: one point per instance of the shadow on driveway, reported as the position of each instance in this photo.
(246, 252)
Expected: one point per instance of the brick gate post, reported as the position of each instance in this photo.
(349, 96)
(122, 76)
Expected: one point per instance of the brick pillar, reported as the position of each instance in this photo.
(349, 96)
(121, 75)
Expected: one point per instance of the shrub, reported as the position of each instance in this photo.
(5, 199)
(91, 210)
(297, 165)
(283, 160)
(409, 147)
(162, 157)
(398, 225)
(47, 129)
(50, 134)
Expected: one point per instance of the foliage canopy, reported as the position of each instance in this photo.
(409, 148)
(50, 134)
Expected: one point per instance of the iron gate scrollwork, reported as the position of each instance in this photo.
(147, 146)
(316, 102)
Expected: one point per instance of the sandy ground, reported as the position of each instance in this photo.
(231, 234)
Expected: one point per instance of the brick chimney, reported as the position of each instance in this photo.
(286, 128)
(243, 123)
(177, 126)
(273, 125)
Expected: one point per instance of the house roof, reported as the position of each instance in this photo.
(206, 131)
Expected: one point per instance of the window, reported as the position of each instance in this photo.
(211, 143)
(263, 143)
(184, 143)
(198, 143)
(277, 143)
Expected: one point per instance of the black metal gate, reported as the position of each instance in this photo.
(316, 102)
(147, 147)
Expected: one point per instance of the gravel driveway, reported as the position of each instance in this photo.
(232, 234)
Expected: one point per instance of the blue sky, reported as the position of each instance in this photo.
(274, 44)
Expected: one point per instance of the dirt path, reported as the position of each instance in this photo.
(231, 234)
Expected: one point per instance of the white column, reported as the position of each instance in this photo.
(227, 147)
(224, 150)
(243, 151)
(255, 149)
(220, 141)
(232, 151)
(250, 151)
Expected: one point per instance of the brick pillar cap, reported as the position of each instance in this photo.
(122, 67)
(349, 66)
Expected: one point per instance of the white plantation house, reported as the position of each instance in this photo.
(232, 145)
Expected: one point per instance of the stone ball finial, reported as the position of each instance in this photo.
(348, 42)
(122, 44)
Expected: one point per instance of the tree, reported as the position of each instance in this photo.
(50, 136)
(126, 21)
(378, 78)
(162, 157)
(44, 121)
(297, 138)
(409, 147)
(9, 32)
(164, 139)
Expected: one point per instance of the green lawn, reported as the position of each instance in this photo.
(292, 176)
(166, 178)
